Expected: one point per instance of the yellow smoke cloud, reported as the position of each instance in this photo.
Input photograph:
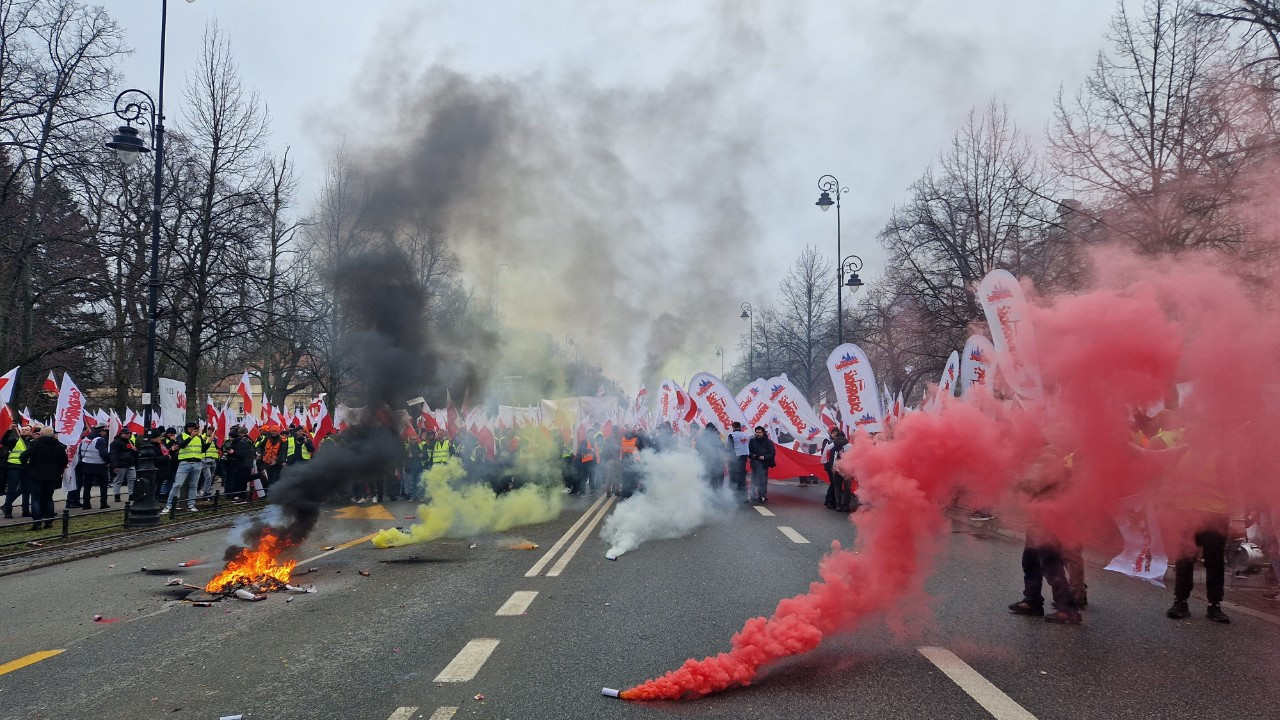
(460, 511)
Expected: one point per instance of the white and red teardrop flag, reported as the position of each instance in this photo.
(754, 403)
(715, 401)
(946, 384)
(794, 412)
(668, 401)
(68, 421)
(977, 365)
(51, 383)
(1015, 341)
(856, 393)
(246, 396)
(133, 422)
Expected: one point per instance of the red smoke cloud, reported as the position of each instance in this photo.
(1103, 354)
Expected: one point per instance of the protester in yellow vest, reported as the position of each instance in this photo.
(191, 448)
(15, 483)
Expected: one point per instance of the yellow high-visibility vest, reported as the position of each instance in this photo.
(194, 450)
(15, 455)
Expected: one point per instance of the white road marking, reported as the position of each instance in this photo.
(763, 510)
(403, 713)
(517, 603)
(582, 536)
(468, 661)
(548, 555)
(793, 535)
(443, 713)
(990, 697)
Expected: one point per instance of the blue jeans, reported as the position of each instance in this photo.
(189, 472)
(42, 503)
(16, 487)
(410, 480)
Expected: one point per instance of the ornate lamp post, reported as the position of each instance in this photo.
(749, 316)
(137, 106)
(720, 354)
(829, 184)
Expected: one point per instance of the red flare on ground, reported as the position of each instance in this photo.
(908, 480)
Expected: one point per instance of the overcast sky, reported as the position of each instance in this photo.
(868, 90)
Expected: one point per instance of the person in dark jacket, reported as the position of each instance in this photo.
(762, 458)
(94, 465)
(46, 459)
(710, 448)
(124, 463)
(238, 453)
(166, 459)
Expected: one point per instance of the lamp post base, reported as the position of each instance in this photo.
(144, 512)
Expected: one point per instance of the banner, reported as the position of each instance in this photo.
(946, 383)
(1006, 309)
(977, 365)
(173, 403)
(1144, 555)
(669, 406)
(856, 392)
(790, 463)
(716, 403)
(793, 411)
(68, 419)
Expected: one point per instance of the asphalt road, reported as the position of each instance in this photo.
(373, 646)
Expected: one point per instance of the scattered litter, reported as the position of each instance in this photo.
(480, 696)
(1043, 672)
(144, 568)
(523, 545)
(201, 603)
(608, 692)
(247, 595)
(191, 563)
(288, 599)
(327, 547)
(472, 546)
(231, 717)
(299, 588)
(364, 573)
(173, 581)
(33, 543)
(104, 620)
(410, 517)
(111, 565)
(97, 618)
(175, 539)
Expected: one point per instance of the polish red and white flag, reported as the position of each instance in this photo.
(51, 384)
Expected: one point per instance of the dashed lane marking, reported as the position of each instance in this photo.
(763, 510)
(517, 603)
(339, 548)
(794, 536)
(403, 713)
(582, 536)
(548, 555)
(443, 713)
(468, 661)
(991, 698)
(31, 659)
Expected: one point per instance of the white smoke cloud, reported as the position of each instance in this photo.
(676, 500)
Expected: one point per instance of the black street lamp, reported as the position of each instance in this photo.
(136, 106)
(720, 354)
(850, 267)
(749, 316)
(829, 184)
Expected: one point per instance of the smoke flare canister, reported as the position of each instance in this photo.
(608, 692)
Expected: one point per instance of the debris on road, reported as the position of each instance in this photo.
(327, 547)
(364, 573)
(201, 603)
(472, 546)
(191, 563)
(608, 692)
(480, 697)
(249, 596)
(173, 581)
(175, 539)
(521, 545)
(33, 543)
(299, 588)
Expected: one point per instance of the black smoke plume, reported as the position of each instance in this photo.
(385, 348)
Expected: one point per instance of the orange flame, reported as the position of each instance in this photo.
(255, 567)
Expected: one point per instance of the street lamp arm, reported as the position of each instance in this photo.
(140, 110)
